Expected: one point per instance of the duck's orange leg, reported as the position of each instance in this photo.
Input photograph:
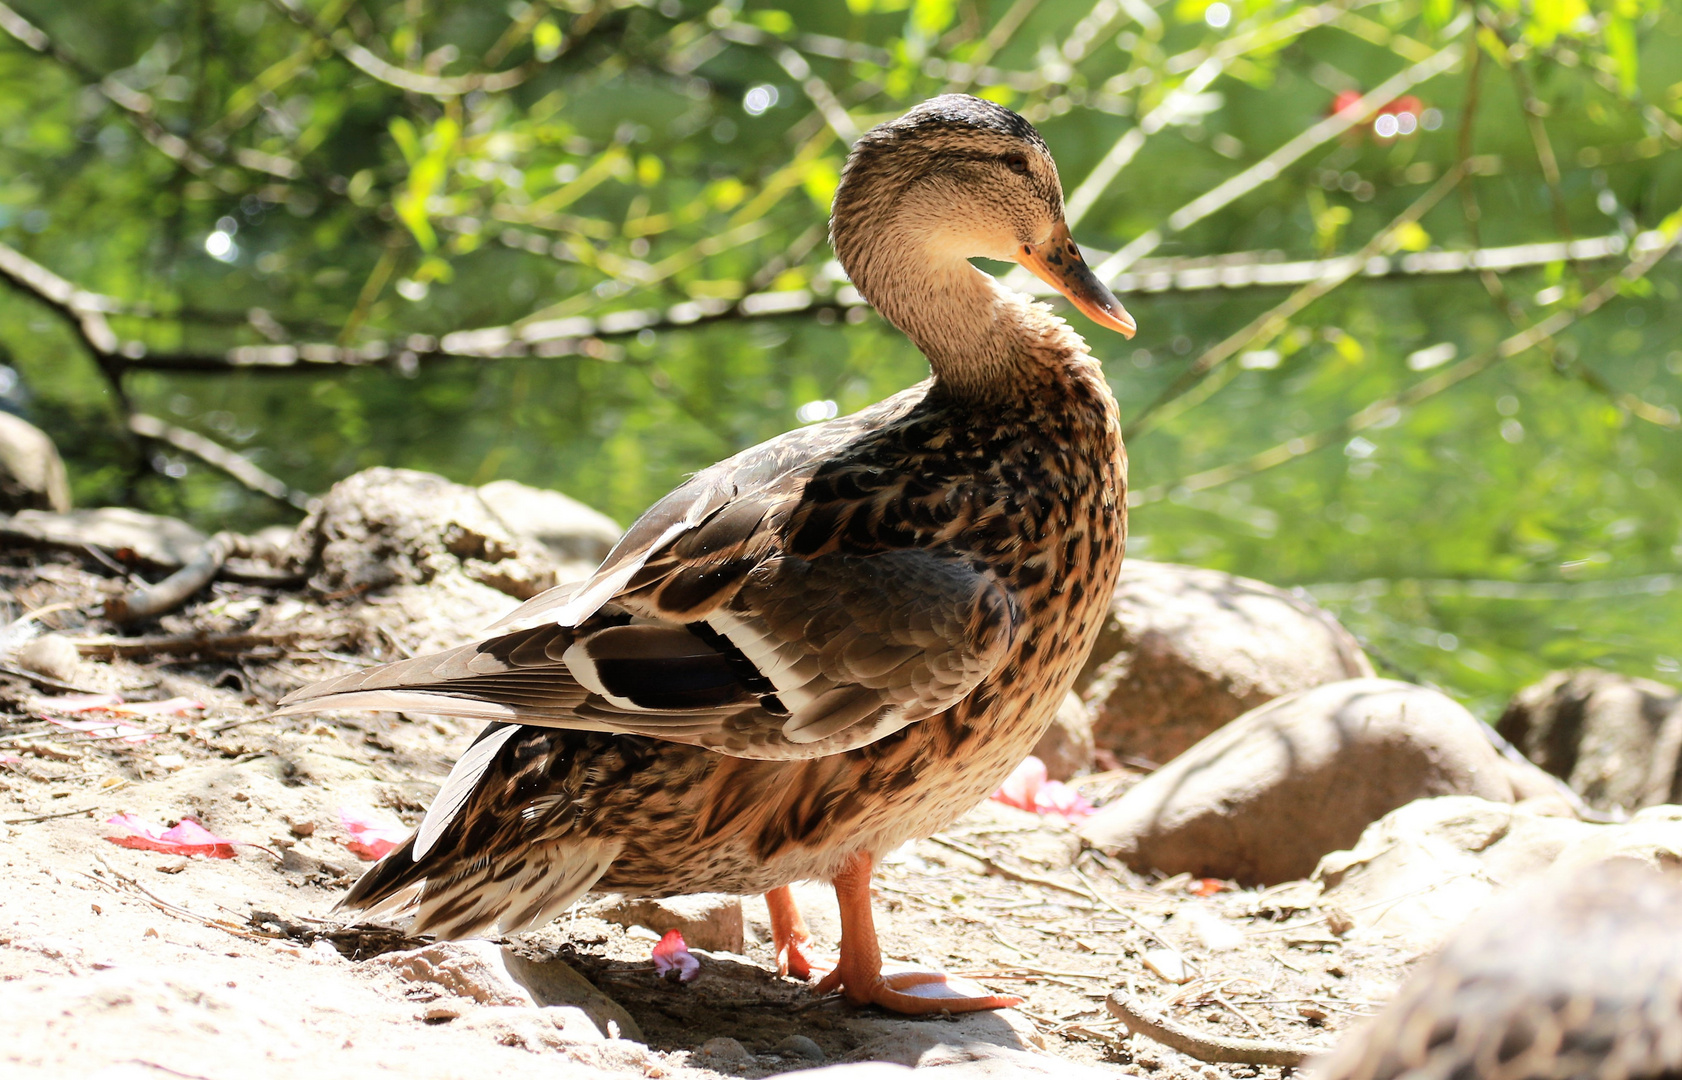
(858, 973)
(789, 935)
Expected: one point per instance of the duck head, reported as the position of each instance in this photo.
(957, 177)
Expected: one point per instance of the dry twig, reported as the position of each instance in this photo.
(1203, 1046)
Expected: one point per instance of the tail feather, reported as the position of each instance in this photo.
(445, 895)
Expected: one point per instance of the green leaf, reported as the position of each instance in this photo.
(1619, 36)
(546, 40)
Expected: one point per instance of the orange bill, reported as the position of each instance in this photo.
(1058, 263)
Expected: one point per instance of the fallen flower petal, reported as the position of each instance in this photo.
(368, 837)
(1027, 788)
(10, 759)
(106, 729)
(74, 703)
(1022, 785)
(175, 706)
(186, 838)
(672, 958)
(1056, 797)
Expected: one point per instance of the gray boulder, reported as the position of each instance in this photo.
(1615, 739)
(1264, 798)
(1186, 650)
(32, 475)
(383, 527)
(575, 535)
(134, 536)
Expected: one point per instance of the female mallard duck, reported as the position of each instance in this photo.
(827, 645)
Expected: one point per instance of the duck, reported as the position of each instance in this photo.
(827, 645)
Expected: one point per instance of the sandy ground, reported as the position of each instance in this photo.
(119, 962)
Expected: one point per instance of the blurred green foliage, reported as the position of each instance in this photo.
(240, 172)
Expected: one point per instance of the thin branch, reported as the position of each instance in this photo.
(1388, 406)
(218, 457)
(1271, 166)
(1173, 105)
(1271, 323)
(137, 104)
(1204, 1046)
(148, 601)
(1549, 592)
(417, 82)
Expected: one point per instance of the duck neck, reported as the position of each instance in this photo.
(982, 340)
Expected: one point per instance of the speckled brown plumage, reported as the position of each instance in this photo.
(830, 643)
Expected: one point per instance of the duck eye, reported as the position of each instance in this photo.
(1017, 163)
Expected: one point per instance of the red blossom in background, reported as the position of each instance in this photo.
(1028, 789)
(1402, 117)
(672, 958)
(186, 838)
(369, 838)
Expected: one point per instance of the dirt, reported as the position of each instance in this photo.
(153, 964)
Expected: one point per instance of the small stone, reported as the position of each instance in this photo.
(443, 1010)
(1339, 921)
(711, 921)
(32, 474)
(724, 1051)
(301, 829)
(799, 1046)
(1167, 964)
(50, 655)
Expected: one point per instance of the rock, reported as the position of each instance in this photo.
(1261, 800)
(1066, 747)
(1615, 739)
(724, 1051)
(469, 969)
(32, 475)
(537, 1029)
(51, 655)
(492, 975)
(150, 539)
(1572, 976)
(554, 982)
(1417, 872)
(571, 532)
(711, 921)
(799, 1046)
(1186, 650)
(384, 527)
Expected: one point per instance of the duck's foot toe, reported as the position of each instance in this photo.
(796, 957)
(919, 993)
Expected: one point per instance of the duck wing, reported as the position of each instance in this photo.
(702, 629)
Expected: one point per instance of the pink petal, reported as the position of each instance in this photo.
(370, 838)
(10, 759)
(186, 838)
(1022, 785)
(175, 706)
(671, 954)
(106, 729)
(1056, 797)
(73, 703)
